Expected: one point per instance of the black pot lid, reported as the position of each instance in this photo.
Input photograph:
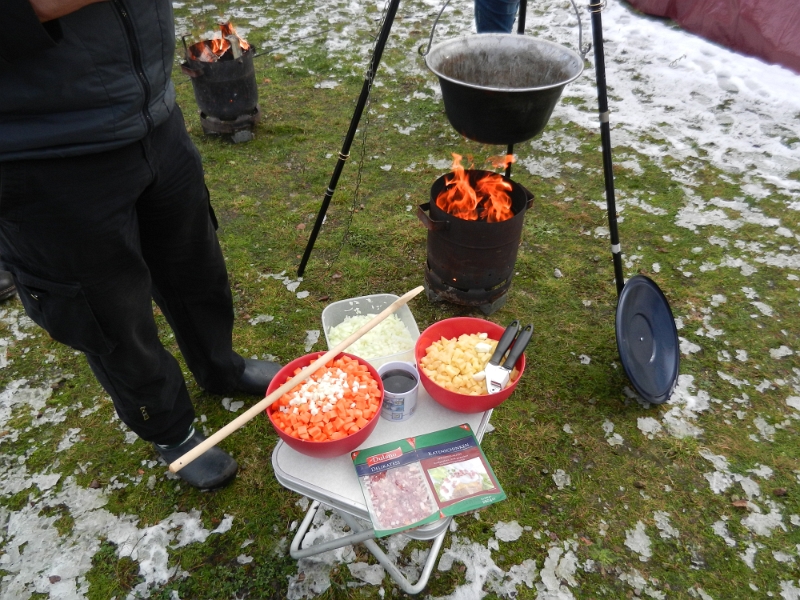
(647, 339)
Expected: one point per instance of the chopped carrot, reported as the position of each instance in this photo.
(341, 414)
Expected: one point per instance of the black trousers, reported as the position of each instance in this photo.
(92, 240)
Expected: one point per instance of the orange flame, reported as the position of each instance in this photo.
(227, 29)
(488, 200)
(213, 49)
(502, 161)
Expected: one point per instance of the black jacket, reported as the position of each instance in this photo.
(93, 80)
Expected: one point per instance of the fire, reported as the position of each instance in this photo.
(488, 200)
(212, 50)
(502, 161)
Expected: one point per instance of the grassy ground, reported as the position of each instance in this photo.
(565, 414)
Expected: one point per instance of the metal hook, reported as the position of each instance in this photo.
(433, 29)
(581, 48)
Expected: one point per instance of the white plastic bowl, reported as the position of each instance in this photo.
(335, 313)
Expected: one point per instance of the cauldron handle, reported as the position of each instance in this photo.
(193, 73)
(433, 29)
(429, 223)
(528, 195)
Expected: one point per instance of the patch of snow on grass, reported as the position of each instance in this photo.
(372, 574)
(686, 407)
(764, 524)
(721, 479)
(312, 337)
(261, 319)
(765, 309)
(688, 347)
(649, 426)
(562, 479)
(560, 565)
(479, 567)
(750, 487)
(613, 439)
(762, 471)
(721, 529)
(780, 352)
(231, 405)
(665, 528)
(766, 431)
(638, 541)
(749, 556)
(71, 437)
(698, 592)
(789, 591)
(35, 552)
(507, 532)
(316, 570)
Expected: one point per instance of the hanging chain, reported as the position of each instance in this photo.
(364, 126)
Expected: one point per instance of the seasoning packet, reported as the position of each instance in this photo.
(418, 480)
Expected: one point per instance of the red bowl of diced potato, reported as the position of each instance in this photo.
(326, 415)
(461, 401)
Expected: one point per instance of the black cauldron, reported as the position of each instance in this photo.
(501, 88)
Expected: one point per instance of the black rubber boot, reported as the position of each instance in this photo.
(213, 469)
(256, 377)
(7, 287)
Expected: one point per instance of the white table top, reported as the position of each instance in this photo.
(333, 481)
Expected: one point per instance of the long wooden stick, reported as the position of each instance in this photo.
(300, 377)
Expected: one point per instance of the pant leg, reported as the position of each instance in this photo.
(180, 245)
(495, 16)
(69, 232)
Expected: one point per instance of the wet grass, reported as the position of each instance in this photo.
(266, 194)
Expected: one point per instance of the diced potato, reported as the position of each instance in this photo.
(454, 363)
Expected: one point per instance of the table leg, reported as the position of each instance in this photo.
(391, 568)
(348, 540)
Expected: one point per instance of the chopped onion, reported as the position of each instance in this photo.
(388, 337)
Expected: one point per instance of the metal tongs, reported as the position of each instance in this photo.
(497, 375)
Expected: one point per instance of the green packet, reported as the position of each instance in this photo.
(418, 480)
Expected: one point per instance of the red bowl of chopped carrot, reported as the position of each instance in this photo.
(438, 381)
(333, 411)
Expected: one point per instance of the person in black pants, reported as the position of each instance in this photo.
(103, 209)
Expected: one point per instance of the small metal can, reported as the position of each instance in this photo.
(400, 388)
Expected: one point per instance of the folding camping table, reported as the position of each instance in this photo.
(333, 482)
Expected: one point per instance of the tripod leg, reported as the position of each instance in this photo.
(344, 154)
(595, 7)
(523, 9)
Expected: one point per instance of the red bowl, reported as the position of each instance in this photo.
(452, 328)
(330, 448)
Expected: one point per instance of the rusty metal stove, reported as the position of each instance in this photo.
(471, 263)
(225, 89)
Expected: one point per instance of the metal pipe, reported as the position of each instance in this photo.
(523, 10)
(595, 8)
(297, 553)
(351, 133)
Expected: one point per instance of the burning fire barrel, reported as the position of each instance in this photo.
(224, 82)
(471, 257)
